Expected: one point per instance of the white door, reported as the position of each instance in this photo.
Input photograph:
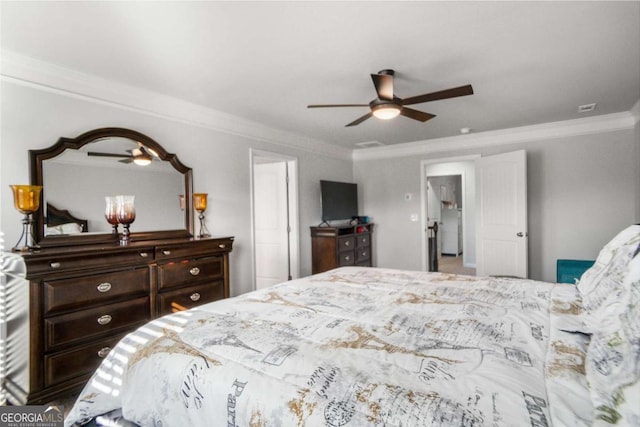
(501, 202)
(271, 223)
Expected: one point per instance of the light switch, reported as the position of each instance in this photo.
(414, 217)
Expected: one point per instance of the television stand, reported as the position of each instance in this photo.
(340, 246)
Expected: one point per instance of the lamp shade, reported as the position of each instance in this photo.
(386, 111)
(26, 198)
(200, 201)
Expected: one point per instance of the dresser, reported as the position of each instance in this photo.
(67, 307)
(333, 247)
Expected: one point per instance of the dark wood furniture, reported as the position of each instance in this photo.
(333, 247)
(102, 141)
(70, 301)
(67, 307)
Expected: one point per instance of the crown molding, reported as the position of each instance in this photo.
(26, 71)
(545, 131)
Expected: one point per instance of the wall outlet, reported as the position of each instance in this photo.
(414, 217)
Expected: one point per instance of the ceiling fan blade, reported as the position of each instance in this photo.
(443, 94)
(360, 120)
(96, 154)
(416, 115)
(384, 84)
(336, 105)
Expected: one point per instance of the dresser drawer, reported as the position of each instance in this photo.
(363, 239)
(83, 261)
(77, 362)
(184, 299)
(198, 247)
(346, 258)
(78, 292)
(346, 243)
(190, 272)
(362, 254)
(84, 324)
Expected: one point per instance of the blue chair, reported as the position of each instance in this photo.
(570, 270)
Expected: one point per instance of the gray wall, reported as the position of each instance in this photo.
(582, 190)
(34, 119)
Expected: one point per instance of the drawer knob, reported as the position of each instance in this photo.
(104, 320)
(55, 265)
(194, 271)
(166, 252)
(103, 352)
(346, 243)
(347, 258)
(144, 254)
(364, 254)
(222, 246)
(104, 287)
(195, 296)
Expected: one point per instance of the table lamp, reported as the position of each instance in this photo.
(200, 205)
(26, 199)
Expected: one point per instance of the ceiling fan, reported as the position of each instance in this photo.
(141, 156)
(387, 106)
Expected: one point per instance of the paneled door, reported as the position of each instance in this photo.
(501, 220)
(271, 223)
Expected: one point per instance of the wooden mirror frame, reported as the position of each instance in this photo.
(36, 157)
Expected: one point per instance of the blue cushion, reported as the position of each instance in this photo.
(570, 270)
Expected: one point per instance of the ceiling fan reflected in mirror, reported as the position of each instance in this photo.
(387, 106)
(141, 156)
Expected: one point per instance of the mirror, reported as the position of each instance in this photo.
(78, 173)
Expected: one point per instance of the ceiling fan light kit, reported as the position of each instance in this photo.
(387, 106)
(140, 156)
(386, 111)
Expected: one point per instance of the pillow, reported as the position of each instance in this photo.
(600, 285)
(68, 228)
(612, 367)
(52, 231)
(71, 228)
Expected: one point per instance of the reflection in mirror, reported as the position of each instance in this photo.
(108, 162)
(156, 187)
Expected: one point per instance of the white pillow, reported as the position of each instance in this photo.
(600, 285)
(71, 228)
(68, 228)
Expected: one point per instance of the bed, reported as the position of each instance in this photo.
(361, 346)
(61, 221)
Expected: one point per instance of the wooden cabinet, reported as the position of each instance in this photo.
(67, 307)
(333, 247)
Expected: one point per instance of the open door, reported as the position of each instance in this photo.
(275, 218)
(501, 220)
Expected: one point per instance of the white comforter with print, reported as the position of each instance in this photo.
(355, 347)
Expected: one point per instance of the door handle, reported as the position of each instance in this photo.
(521, 234)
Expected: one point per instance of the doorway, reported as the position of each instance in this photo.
(274, 197)
(448, 196)
(494, 214)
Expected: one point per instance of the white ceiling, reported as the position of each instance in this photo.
(528, 62)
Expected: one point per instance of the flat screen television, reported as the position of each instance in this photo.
(339, 200)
